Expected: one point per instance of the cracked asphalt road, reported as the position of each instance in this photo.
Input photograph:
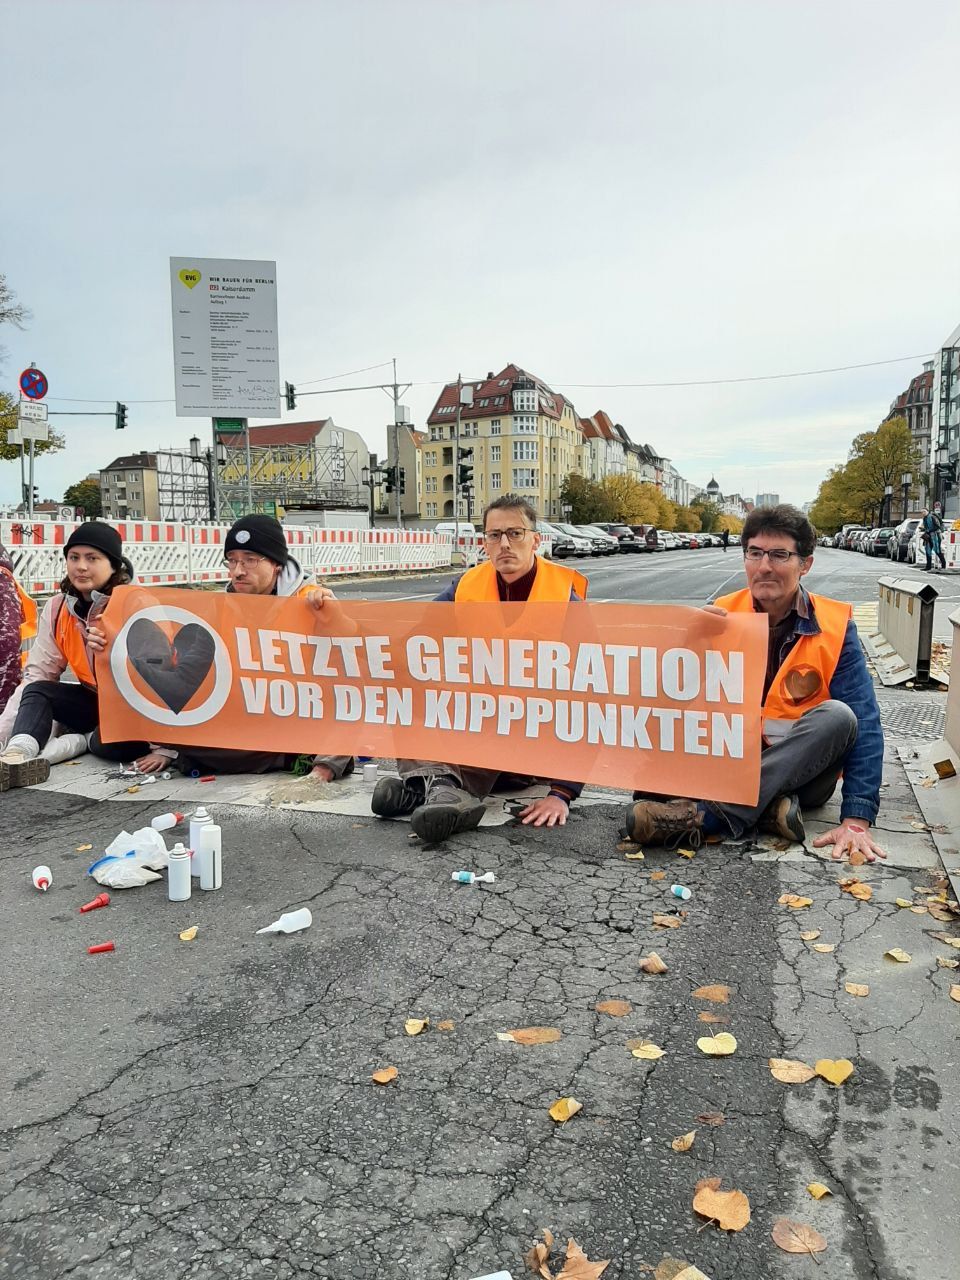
(206, 1109)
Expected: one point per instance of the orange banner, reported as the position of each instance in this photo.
(657, 697)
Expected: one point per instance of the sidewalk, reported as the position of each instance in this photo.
(206, 1108)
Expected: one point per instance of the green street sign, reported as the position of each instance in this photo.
(230, 426)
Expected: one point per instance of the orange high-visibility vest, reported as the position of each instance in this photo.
(550, 586)
(69, 635)
(803, 680)
(28, 627)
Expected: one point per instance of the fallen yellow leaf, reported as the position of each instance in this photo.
(808, 935)
(790, 1071)
(188, 935)
(730, 1210)
(413, 1026)
(658, 875)
(687, 853)
(955, 992)
(615, 1008)
(718, 994)
(898, 953)
(919, 911)
(797, 1237)
(653, 964)
(564, 1108)
(718, 1046)
(385, 1075)
(823, 947)
(685, 1141)
(712, 1017)
(857, 858)
(645, 1049)
(945, 937)
(667, 922)
(903, 902)
(857, 889)
(579, 1267)
(834, 1070)
(945, 962)
(538, 1257)
(84, 848)
(446, 1025)
(677, 1269)
(635, 857)
(534, 1035)
(856, 988)
(818, 1190)
(794, 901)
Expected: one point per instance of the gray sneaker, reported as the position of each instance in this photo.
(15, 771)
(446, 810)
(397, 797)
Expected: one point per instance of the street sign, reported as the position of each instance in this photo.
(66, 513)
(34, 384)
(14, 436)
(26, 431)
(230, 426)
(225, 353)
(30, 411)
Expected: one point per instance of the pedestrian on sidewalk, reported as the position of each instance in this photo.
(725, 538)
(820, 715)
(444, 798)
(68, 635)
(931, 536)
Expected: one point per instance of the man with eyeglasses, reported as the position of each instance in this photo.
(444, 799)
(258, 563)
(820, 713)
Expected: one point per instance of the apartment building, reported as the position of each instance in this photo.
(128, 488)
(525, 438)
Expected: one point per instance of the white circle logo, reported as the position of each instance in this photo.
(243, 535)
(222, 668)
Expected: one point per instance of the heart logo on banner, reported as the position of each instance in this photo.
(173, 671)
(802, 684)
(190, 276)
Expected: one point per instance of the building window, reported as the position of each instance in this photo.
(494, 453)
(524, 401)
(431, 509)
(525, 424)
(494, 426)
(525, 450)
(495, 481)
(525, 478)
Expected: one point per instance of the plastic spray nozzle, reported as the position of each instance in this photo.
(470, 877)
(42, 878)
(100, 948)
(101, 900)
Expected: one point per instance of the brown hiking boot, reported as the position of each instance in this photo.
(665, 822)
(784, 819)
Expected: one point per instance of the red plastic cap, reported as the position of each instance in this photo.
(100, 947)
(178, 816)
(101, 900)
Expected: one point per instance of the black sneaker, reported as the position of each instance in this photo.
(446, 810)
(397, 797)
(784, 819)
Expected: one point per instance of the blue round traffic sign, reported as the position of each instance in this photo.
(34, 384)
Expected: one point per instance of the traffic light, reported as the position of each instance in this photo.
(466, 469)
(120, 416)
(290, 391)
(390, 475)
(402, 476)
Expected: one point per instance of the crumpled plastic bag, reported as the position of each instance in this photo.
(123, 873)
(145, 843)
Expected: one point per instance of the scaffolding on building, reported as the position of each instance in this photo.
(286, 476)
(183, 491)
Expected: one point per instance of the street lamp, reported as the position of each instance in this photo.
(207, 459)
(887, 504)
(370, 476)
(906, 480)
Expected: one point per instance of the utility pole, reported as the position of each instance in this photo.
(456, 466)
(396, 439)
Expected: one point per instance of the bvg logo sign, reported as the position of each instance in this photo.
(171, 666)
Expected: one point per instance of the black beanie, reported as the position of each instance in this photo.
(260, 536)
(102, 537)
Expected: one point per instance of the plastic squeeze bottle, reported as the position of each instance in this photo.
(178, 874)
(164, 821)
(42, 878)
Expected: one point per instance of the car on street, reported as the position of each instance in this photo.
(647, 537)
(671, 541)
(878, 546)
(848, 540)
(623, 534)
(563, 543)
(603, 543)
(899, 543)
(583, 544)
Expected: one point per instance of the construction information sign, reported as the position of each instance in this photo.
(225, 353)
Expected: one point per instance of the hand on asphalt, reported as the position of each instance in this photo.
(551, 811)
(847, 838)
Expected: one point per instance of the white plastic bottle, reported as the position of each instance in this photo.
(42, 878)
(178, 874)
(198, 821)
(208, 854)
(165, 821)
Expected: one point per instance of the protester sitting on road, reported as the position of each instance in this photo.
(259, 563)
(820, 714)
(444, 799)
(68, 636)
(18, 625)
(931, 534)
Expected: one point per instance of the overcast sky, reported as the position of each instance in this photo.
(603, 192)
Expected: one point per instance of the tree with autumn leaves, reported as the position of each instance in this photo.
(622, 499)
(853, 493)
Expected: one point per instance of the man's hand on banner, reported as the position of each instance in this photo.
(551, 811)
(328, 608)
(851, 835)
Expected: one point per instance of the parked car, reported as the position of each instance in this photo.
(648, 538)
(880, 539)
(563, 544)
(671, 541)
(583, 544)
(849, 540)
(623, 534)
(899, 543)
(603, 543)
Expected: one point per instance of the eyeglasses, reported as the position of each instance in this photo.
(779, 555)
(513, 536)
(243, 562)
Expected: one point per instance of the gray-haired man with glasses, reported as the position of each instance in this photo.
(820, 714)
